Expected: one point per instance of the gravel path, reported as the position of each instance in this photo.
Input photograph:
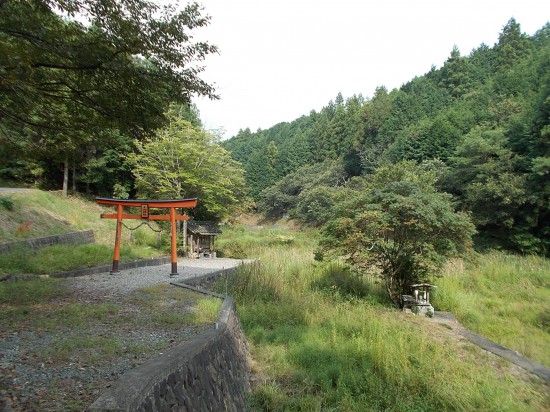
(29, 382)
(108, 286)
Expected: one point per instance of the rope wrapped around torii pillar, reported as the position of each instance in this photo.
(145, 205)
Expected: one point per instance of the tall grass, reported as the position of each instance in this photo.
(324, 339)
(503, 297)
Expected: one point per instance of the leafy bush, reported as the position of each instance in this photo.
(400, 225)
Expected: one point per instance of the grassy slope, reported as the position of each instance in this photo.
(35, 213)
(322, 341)
(503, 297)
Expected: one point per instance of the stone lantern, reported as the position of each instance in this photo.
(419, 301)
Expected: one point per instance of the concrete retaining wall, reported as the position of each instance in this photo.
(72, 238)
(208, 373)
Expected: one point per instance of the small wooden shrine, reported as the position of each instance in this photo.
(200, 238)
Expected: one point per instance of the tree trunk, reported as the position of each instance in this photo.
(185, 238)
(65, 176)
(74, 177)
(395, 298)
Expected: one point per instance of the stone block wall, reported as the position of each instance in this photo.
(208, 373)
(72, 238)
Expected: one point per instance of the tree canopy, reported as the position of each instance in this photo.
(183, 160)
(69, 65)
(78, 76)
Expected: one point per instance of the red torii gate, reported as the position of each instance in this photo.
(145, 205)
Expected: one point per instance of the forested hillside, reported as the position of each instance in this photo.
(480, 124)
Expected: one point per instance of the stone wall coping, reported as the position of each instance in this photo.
(78, 237)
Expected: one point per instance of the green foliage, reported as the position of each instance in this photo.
(256, 172)
(315, 204)
(58, 73)
(183, 160)
(120, 191)
(404, 228)
(425, 140)
(14, 170)
(83, 76)
(305, 193)
(483, 175)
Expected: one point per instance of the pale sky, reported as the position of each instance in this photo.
(279, 59)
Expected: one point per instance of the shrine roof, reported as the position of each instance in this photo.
(203, 227)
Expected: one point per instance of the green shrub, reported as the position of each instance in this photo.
(6, 203)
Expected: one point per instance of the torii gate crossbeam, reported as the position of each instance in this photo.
(145, 205)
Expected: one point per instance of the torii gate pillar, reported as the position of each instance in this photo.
(145, 205)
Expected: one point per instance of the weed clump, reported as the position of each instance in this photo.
(6, 203)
